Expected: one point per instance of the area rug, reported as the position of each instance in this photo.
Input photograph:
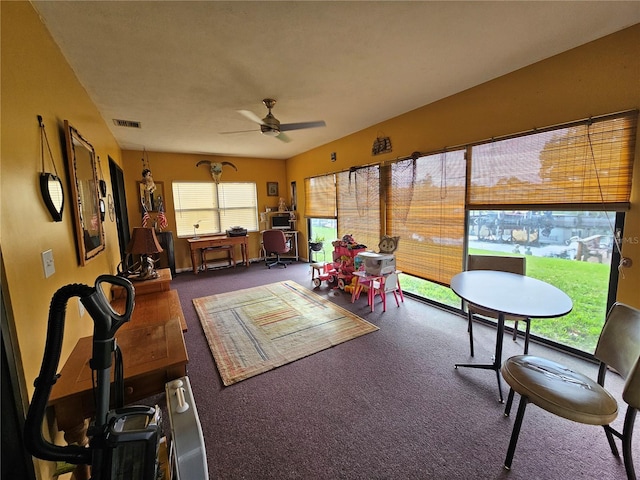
(255, 330)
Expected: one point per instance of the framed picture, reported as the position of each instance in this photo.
(272, 189)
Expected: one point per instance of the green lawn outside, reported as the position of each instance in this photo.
(586, 284)
(329, 235)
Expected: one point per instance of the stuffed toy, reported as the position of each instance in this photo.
(388, 244)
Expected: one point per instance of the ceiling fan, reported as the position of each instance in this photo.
(272, 127)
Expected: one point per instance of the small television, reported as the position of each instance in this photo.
(280, 222)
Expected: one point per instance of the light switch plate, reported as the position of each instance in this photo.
(47, 263)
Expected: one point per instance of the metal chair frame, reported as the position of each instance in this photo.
(613, 351)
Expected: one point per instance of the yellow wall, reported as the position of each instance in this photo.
(36, 80)
(597, 78)
(181, 167)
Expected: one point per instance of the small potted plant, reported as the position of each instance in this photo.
(316, 243)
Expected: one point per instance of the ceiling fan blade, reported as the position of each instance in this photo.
(251, 116)
(238, 131)
(285, 127)
(283, 137)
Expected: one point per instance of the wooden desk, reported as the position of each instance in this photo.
(197, 244)
(509, 294)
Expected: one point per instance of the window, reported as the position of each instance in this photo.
(206, 208)
(572, 250)
(425, 207)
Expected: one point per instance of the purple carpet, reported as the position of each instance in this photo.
(382, 406)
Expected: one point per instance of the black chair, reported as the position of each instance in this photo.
(275, 243)
(576, 397)
(502, 264)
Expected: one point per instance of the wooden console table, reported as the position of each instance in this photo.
(197, 244)
(153, 353)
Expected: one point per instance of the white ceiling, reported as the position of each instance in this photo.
(183, 68)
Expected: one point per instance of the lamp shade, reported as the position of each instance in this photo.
(144, 242)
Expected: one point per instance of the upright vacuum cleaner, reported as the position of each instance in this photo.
(123, 442)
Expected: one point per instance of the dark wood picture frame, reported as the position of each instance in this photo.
(272, 189)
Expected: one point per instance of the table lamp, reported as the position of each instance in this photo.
(144, 243)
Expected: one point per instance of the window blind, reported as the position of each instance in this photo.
(238, 205)
(320, 196)
(358, 192)
(425, 207)
(577, 166)
(214, 207)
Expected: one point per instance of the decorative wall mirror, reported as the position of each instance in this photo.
(83, 183)
(151, 200)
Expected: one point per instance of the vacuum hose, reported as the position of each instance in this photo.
(33, 439)
(106, 322)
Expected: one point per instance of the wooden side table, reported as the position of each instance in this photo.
(143, 287)
(153, 353)
(154, 307)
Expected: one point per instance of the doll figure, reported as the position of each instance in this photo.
(147, 179)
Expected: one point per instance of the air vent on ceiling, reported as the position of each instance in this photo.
(127, 123)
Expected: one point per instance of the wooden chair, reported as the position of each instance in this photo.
(503, 264)
(574, 396)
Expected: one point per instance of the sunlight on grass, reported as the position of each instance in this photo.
(584, 282)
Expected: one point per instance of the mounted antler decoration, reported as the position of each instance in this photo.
(216, 168)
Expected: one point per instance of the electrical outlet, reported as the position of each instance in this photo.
(47, 263)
